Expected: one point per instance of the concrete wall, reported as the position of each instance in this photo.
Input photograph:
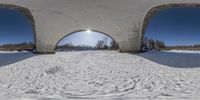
(120, 19)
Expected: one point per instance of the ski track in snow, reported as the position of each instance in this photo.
(97, 74)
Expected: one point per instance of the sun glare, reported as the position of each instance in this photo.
(88, 31)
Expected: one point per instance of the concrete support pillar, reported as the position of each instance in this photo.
(132, 43)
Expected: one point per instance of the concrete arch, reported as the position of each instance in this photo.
(124, 20)
(154, 10)
(26, 12)
(83, 31)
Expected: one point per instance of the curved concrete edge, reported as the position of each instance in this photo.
(52, 20)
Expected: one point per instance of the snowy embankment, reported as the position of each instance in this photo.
(100, 74)
(184, 51)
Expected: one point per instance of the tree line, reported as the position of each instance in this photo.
(25, 46)
(29, 46)
(100, 45)
(184, 47)
(103, 44)
(151, 44)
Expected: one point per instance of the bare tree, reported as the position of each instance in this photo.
(152, 44)
(160, 44)
(100, 44)
(114, 45)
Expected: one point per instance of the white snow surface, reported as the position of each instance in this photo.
(100, 75)
(184, 51)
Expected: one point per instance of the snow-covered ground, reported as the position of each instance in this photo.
(100, 75)
(184, 51)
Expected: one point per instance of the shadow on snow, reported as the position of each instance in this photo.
(172, 59)
(10, 58)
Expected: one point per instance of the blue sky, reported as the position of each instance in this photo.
(85, 38)
(176, 26)
(14, 27)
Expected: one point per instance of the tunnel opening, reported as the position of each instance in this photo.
(86, 40)
(172, 27)
(17, 29)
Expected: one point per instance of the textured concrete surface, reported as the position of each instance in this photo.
(124, 20)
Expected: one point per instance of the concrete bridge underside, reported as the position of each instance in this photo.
(124, 20)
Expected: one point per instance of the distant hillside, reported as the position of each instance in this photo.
(190, 47)
(17, 47)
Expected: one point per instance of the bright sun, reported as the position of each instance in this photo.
(88, 31)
